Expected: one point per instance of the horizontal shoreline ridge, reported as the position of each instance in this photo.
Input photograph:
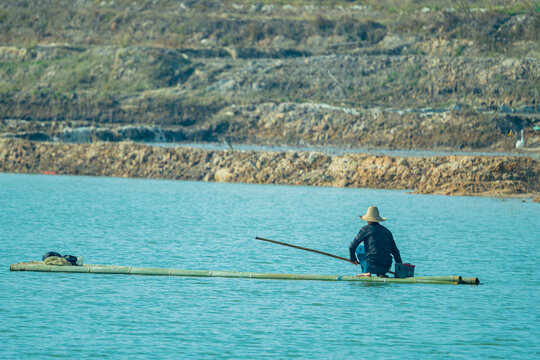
(497, 176)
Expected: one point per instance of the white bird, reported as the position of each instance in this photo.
(228, 143)
(520, 143)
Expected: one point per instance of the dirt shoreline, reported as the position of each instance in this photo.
(494, 176)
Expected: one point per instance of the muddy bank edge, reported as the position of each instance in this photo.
(449, 175)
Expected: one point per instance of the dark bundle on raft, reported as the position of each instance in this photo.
(130, 270)
(54, 258)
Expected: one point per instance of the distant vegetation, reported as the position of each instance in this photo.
(250, 23)
(190, 62)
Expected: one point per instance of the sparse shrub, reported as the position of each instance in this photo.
(3, 15)
(124, 40)
(322, 25)
(253, 32)
(459, 50)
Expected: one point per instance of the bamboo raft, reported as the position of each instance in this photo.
(132, 270)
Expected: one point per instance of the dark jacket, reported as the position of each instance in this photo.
(379, 244)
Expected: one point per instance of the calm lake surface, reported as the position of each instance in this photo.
(211, 226)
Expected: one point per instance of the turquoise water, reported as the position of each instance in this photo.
(195, 225)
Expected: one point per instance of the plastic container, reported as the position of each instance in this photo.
(404, 270)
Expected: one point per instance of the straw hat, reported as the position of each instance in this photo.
(372, 215)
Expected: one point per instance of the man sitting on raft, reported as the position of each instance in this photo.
(375, 254)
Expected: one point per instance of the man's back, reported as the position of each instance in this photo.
(379, 245)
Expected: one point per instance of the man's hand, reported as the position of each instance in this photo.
(355, 262)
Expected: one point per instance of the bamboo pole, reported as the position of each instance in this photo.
(131, 270)
(304, 248)
(470, 280)
(443, 278)
(312, 250)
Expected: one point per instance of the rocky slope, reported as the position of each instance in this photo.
(449, 175)
(394, 74)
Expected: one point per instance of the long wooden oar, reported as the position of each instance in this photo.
(303, 248)
(308, 249)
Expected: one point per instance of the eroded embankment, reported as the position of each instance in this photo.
(450, 175)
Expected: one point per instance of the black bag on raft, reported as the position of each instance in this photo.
(71, 259)
(49, 254)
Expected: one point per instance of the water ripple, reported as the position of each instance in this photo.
(209, 226)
